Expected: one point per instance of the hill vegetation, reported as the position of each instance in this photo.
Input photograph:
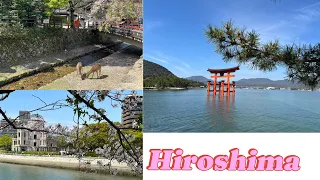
(258, 82)
(155, 75)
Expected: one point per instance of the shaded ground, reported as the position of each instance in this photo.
(121, 70)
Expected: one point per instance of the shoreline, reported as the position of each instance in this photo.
(170, 88)
(69, 163)
(189, 88)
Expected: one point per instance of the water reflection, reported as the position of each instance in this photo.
(221, 109)
(17, 172)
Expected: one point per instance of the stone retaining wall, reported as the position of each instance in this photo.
(19, 44)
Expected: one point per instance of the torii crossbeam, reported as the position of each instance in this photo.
(228, 87)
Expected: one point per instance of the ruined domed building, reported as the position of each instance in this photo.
(25, 140)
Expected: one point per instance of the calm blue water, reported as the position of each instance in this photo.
(22, 172)
(248, 111)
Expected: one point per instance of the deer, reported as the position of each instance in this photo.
(94, 69)
(79, 68)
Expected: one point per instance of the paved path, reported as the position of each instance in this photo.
(63, 162)
(121, 70)
(20, 69)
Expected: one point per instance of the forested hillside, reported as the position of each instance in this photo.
(155, 75)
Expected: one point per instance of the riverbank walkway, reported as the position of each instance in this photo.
(17, 70)
(88, 163)
(121, 70)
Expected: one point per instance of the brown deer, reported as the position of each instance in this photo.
(79, 68)
(94, 69)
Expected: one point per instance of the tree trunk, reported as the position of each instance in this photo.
(71, 9)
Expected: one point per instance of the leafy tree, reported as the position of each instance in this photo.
(28, 11)
(170, 80)
(6, 142)
(105, 12)
(71, 5)
(117, 123)
(140, 122)
(97, 135)
(302, 62)
(62, 142)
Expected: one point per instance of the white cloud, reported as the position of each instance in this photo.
(150, 25)
(159, 59)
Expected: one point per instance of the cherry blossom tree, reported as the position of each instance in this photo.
(108, 12)
(119, 147)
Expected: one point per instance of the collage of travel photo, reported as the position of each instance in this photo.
(81, 81)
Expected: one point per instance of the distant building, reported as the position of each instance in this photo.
(25, 140)
(5, 129)
(129, 116)
(271, 88)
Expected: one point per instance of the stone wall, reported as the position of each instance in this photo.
(17, 44)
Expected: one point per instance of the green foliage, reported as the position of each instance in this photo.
(41, 153)
(155, 75)
(152, 69)
(164, 81)
(98, 135)
(302, 62)
(5, 142)
(62, 142)
(140, 121)
(91, 154)
(138, 138)
(56, 4)
(26, 12)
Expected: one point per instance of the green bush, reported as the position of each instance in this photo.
(41, 153)
(92, 154)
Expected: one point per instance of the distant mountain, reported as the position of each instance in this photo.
(265, 82)
(255, 82)
(199, 79)
(155, 75)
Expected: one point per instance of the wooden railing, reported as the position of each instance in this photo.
(133, 32)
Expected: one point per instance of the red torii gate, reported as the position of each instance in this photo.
(219, 73)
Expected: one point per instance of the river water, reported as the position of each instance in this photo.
(23, 172)
(249, 111)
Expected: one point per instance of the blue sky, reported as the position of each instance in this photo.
(174, 31)
(24, 100)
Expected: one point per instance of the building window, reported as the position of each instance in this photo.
(18, 142)
(35, 136)
(35, 144)
(40, 143)
(51, 144)
(24, 142)
(24, 134)
(18, 134)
